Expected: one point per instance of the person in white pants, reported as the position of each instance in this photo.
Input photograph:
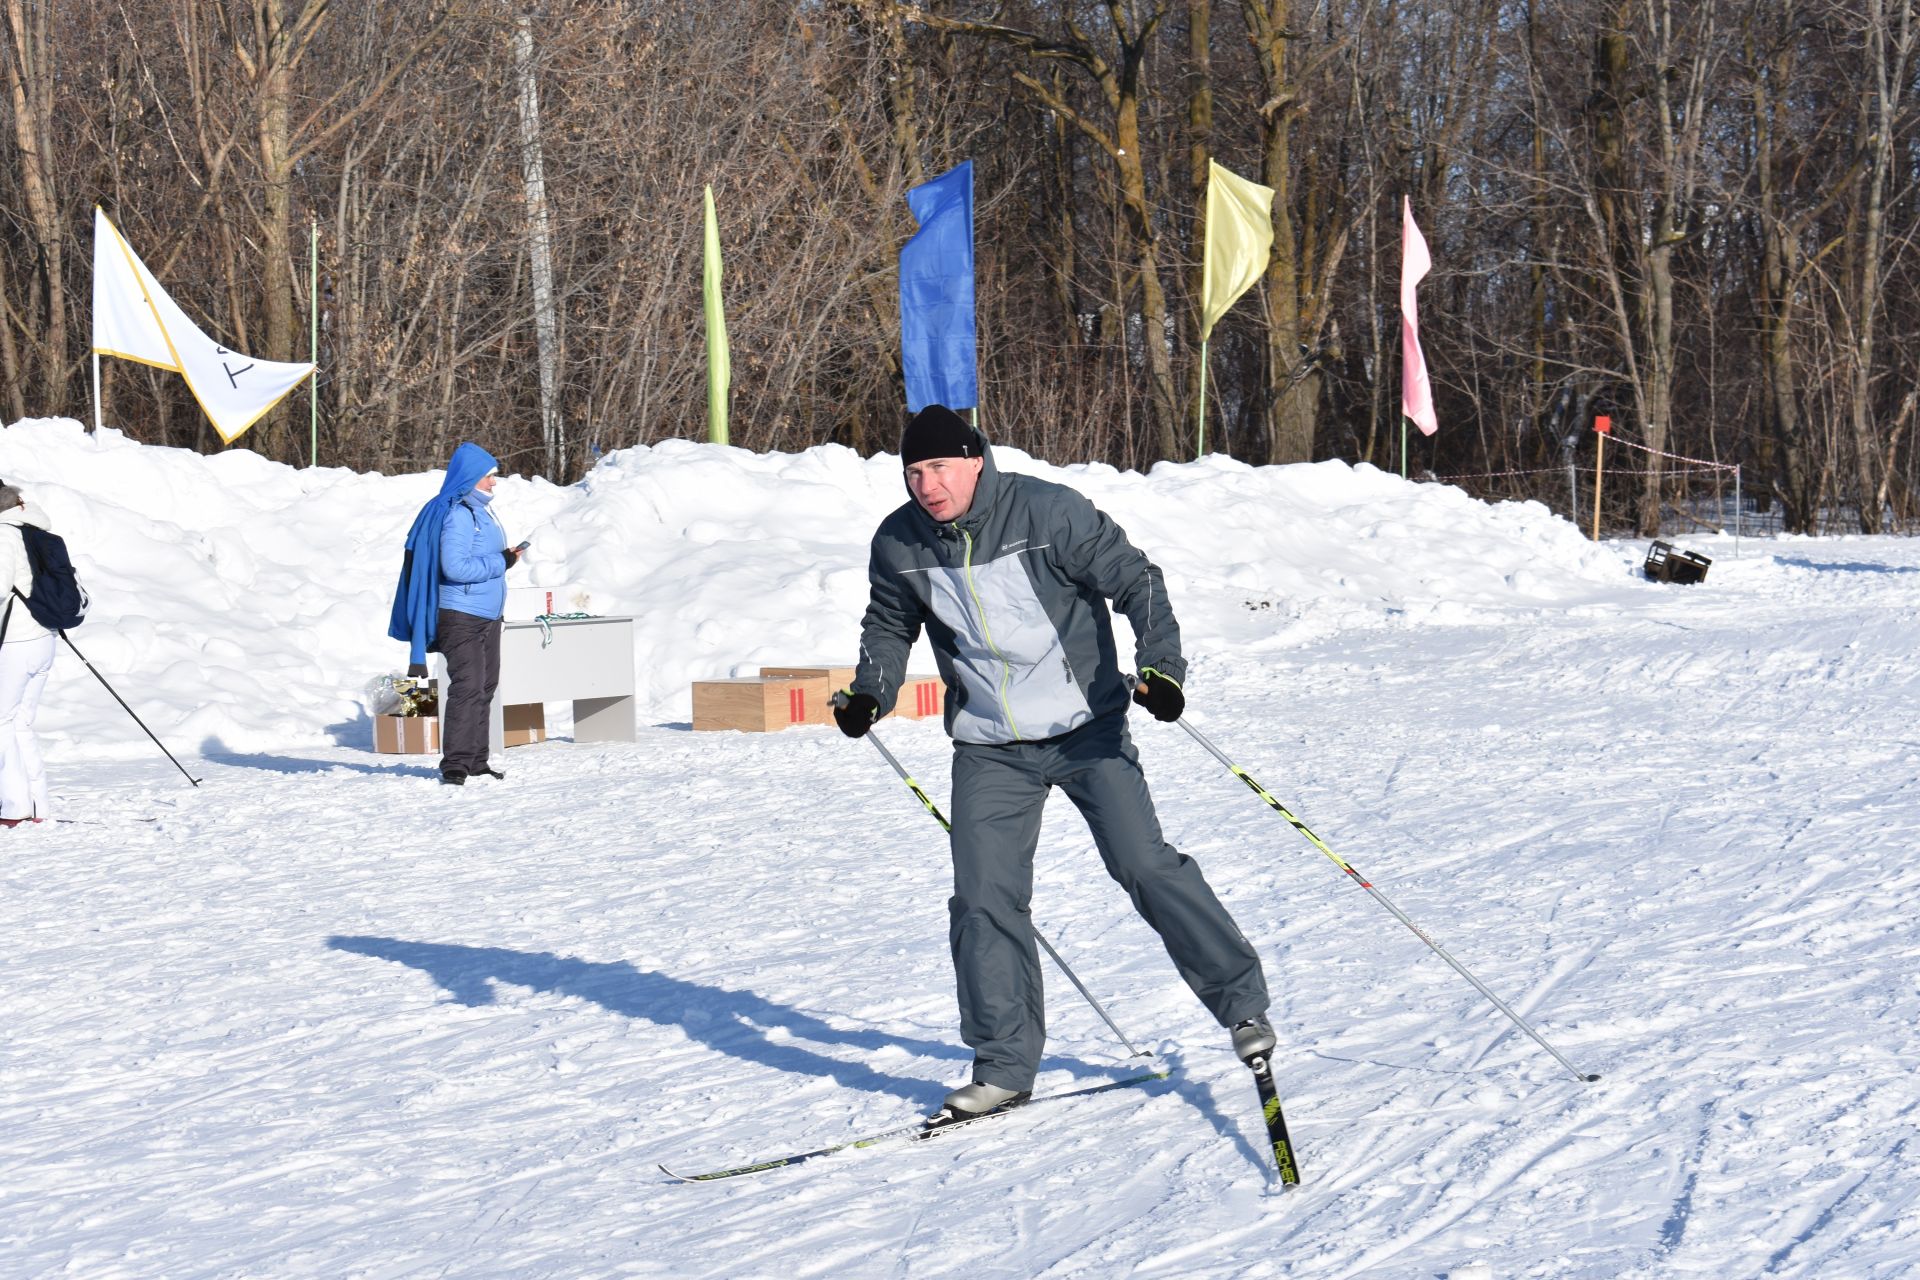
(26, 655)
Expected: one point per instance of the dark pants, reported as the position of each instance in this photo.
(471, 647)
(998, 792)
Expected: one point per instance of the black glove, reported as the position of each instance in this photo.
(1160, 696)
(510, 554)
(417, 671)
(855, 712)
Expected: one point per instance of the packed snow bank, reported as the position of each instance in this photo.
(240, 603)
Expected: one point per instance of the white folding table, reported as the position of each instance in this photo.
(585, 661)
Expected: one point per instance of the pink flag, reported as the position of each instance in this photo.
(1416, 390)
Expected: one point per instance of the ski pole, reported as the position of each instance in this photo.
(1379, 897)
(129, 710)
(1039, 937)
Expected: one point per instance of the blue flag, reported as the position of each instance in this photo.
(936, 294)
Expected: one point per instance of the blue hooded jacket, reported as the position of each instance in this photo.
(416, 600)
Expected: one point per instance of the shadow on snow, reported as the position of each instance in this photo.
(736, 1023)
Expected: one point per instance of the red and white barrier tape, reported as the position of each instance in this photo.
(1677, 457)
(1560, 471)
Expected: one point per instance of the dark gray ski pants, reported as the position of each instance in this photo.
(472, 648)
(998, 793)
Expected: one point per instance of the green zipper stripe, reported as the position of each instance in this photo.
(1006, 669)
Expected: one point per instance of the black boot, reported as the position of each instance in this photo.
(453, 778)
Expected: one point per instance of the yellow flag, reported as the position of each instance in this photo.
(719, 362)
(1239, 236)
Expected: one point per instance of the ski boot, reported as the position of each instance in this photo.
(1253, 1038)
(971, 1101)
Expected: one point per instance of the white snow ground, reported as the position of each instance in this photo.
(321, 1017)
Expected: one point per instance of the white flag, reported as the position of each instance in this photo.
(133, 318)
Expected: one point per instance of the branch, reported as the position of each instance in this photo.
(1038, 45)
(400, 67)
(1055, 103)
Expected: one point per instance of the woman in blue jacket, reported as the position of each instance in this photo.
(453, 591)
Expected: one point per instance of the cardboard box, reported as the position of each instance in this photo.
(921, 697)
(406, 735)
(524, 723)
(527, 603)
(759, 704)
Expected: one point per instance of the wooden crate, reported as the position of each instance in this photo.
(837, 678)
(920, 697)
(759, 704)
(406, 735)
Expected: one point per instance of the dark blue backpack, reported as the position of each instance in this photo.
(57, 601)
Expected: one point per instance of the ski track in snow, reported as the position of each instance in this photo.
(322, 1017)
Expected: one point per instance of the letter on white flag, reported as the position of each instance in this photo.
(133, 318)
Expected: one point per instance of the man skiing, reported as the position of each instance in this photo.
(1010, 576)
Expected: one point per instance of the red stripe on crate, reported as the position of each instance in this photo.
(797, 704)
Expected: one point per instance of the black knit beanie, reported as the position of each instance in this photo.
(937, 432)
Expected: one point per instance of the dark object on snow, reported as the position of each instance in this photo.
(1667, 563)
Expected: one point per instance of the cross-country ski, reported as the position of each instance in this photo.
(941, 1122)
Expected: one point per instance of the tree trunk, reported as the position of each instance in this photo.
(1887, 71)
(1292, 378)
(1199, 154)
(30, 81)
(1779, 281)
(1153, 299)
(273, 134)
(533, 178)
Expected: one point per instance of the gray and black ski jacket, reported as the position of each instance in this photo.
(1014, 598)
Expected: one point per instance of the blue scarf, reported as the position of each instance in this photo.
(416, 601)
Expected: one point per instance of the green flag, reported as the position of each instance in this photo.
(719, 364)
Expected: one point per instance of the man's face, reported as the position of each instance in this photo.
(944, 486)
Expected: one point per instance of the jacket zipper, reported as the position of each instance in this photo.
(1006, 669)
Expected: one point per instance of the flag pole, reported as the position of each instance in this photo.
(313, 308)
(96, 390)
(1200, 426)
(1599, 475)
